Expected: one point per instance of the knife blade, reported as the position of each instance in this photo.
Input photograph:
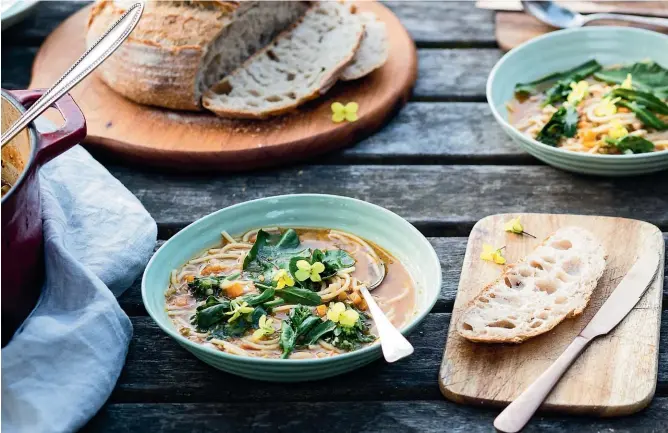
(625, 296)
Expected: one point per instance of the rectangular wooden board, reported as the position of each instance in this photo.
(615, 375)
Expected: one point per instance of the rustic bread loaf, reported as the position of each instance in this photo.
(180, 48)
(299, 65)
(554, 282)
(373, 50)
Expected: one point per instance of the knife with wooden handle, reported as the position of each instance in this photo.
(616, 307)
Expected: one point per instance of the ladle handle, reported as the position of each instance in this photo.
(91, 59)
(394, 345)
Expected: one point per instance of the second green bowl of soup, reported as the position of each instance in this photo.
(562, 50)
(370, 222)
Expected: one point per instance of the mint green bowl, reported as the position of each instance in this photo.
(562, 50)
(369, 221)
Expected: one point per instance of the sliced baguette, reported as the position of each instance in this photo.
(554, 282)
(373, 50)
(299, 65)
(180, 48)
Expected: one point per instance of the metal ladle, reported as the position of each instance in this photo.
(90, 60)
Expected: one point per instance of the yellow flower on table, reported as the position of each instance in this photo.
(306, 270)
(264, 328)
(492, 254)
(283, 279)
(342, 112)
(514, 226)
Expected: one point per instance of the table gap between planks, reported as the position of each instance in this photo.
(442, 164)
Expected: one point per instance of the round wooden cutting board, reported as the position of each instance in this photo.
(191, 141)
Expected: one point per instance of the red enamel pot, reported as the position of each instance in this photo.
(22, 240)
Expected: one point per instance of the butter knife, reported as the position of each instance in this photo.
(616, 307)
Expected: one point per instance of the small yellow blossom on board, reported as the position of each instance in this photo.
(283, 279)
(617, 130)
(342, 112)
(628, 83)
(264, 328)
(514, 226)
(579, 91)
(492, 254)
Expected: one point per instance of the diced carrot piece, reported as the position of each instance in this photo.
(342, 296)
(363, 305)
(235, 290)
(588, 135)
(321, 310)
(190, 278)
(181, 301)
(211, 269)
(356, 298)
(623, 110)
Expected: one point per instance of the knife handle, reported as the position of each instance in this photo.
(520, 411)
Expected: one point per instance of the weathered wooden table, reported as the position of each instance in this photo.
(442, 163)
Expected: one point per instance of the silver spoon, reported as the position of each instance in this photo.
(90, 60)
(392, 342)
(562, 18)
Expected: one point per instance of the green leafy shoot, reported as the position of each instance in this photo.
(298, 295)
(259, 299)
(631, 144)
(561, 88)
(210, 313)
(300, 321)
(319, 331)
(647, 100)
(647, 77)
(271, 252)
(643, 114)
(563, 123)
(351, 338)
(334, 261)
(201, 287)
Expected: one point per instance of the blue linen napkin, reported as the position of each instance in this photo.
(61, 366)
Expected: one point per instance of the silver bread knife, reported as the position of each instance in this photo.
(616, 307)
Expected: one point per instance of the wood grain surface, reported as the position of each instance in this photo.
(615, 375)
(187, 141)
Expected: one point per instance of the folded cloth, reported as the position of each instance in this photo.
(62, 364)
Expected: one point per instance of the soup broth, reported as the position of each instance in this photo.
(291, 293)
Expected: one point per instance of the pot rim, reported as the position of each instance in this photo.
(32, 131)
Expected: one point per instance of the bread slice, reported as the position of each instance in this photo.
(552, 283)
(299, 65)
(373, 50)
(180, 48)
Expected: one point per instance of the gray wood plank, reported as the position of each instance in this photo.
(450, 251)
(159, 370)
(440, 200)
(454, 75)
(352, 416)
(446, 23)
(438, 133)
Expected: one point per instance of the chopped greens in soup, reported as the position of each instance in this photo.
(287, 293)
(591, 109)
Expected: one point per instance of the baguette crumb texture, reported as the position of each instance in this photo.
(554, 282)
(299, 65)
(373, 51)
(179, 48)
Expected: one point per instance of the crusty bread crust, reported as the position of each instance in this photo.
(209, 99)
(512, 325)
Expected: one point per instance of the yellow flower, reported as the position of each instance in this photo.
(579, 91)
(342, 112)
(628, 83)
(491, 254)
(617, 130)
(349, 318)
(335, 310)
(514, 226)
(283, 279)
(264, 328)
(238, 309)
(606, 107)
(305, 270)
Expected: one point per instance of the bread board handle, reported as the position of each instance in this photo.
(520, 411)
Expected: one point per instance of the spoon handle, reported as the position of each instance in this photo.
(394, 345)
(660, 22)
(90, 60)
